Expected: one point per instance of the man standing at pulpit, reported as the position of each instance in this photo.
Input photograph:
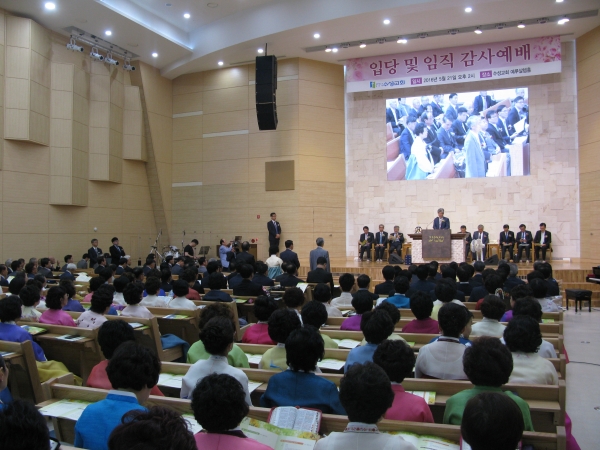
(441, 222)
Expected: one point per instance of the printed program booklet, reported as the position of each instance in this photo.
(278, 438)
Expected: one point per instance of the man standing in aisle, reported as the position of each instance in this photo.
(116, 251)
(94, 252)
(274, 231)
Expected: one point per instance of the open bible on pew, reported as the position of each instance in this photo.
(278, 438)
(294, 418)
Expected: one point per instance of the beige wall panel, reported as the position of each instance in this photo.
(287, 93)
(136, 173)
(320, 143)
(158, 91)
(18, 62)
(321, 119)
(589, 186)
(132, 100)
(16, 125)
(226, 224)
(185, 128)
(107, 220)
(105, 195)
(2, 57)
(81, 109)
(218, 172)
(40, 99)
(17, 94)
(187, 173)
(186, 103)
(589, 131)
(115, 165)
(99, 88)
(162, 137)
(61, 162)
(18, 31)
(166, 180)
(115, 140)
(69, 221)
(80, 163)
(40, 70)
(321, 72)
(132, 147)
(188, 151)
(230, 121)
(223, 100)
(99, 114)
(273, 144)
(326, 220)
(311, 193)
(586, 108)
(98, 167)
(225, 147)
(40, 40)
(256, 168)
(81, 137)
(316, 168)
(100, 68)
(31, 216)
(218, 197)
(39, 128)
(61, 133)
(61, 105)
(259, 198)
(61, 190)
(587, 71)
(288, 116)
(188, 84)
(81, 82)
(33, 188)
(116, 118)
(188, 197)
(225, 78)
(143, 224)
(117, 95)
(14, 245)
(587, 45)
(26, 157)
(322, 95)
(136, 197)
(99, 141)
(62, 77)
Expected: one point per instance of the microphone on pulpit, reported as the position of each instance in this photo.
(427, 227)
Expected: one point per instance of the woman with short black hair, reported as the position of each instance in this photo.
(56, 299)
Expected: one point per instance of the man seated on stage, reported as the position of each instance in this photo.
(381, 241)
(441, 222)
(524, 239)
(366, 241)
(485, 239)
(468, 239)
(544, 239)
(507, 241)
(396, 239)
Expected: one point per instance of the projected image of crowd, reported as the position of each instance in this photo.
(458, 135)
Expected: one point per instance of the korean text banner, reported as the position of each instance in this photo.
(492, 61)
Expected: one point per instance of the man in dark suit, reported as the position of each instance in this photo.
(82, 263)
(397, 241)
(247, 287)
(381, 242)
(421, 284)
(459, 127)
(116, 251)
(3, 275)
(45, 268)
(507, 131)
(68, 260)
(274, 230)
(516, 113)
(94, 252)
(387, 286)
(524, 240)
(544, 239)
(289, 279)
(507, 241)
(463, 285)
(415, 111)
(441, 222)
(391, 116)
(288, 255)
(407, 137)
(452, 109)
(101, 265)
(431, 139)
(363, 281)
(215, 284)
(485, 239)
(177, 268)
(366, 242)
(261, 275)
(477, 279)
(482, 102)
(320, 274)
(437, 105)
(468, 239)
(245, 257)
(67, 275)
(446, 137)
(495, 130)
(512, 280)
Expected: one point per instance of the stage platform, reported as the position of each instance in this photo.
(570, 274)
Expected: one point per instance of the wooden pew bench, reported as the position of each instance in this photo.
(23, 381)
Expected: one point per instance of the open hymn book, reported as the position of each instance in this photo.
(278, 438)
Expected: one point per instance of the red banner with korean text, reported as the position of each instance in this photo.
(479, 62)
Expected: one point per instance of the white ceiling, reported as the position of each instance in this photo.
(234, 29)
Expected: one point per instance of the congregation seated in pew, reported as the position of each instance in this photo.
(180, 292)
(215, 281)
(153, 300)
(421, 306)
(30, 296)
(492, 309)
(293, 298)
(528, 306)
(314, 314)
(362, 303)
(346, 281)
(56, 299)
(258, 333)
(376, 326)
(101, 302)
(133, 294)
(72, 303)
(399, 298)
(281, 324)
(22, 427)
(322, 293)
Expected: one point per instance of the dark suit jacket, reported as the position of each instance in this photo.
(496, 135)
(478, 103)
(504, 239)
(248, 288)
(288, 256)
(204, 283)
(245, 258)
(373, 296)
(511, 282)
(477, 280)
(217, 296)
(485, 238)
(460, 131)
(116, 254)
(538, 237)
(460, 295)
(98, 269)
(67, 276)
(553, 289)
(513, 117)
(273, 231)
(120, 270)
(320, 276)
(406, 142)
(263, 280)
(384, 288)
(478, 293)
(385, 238)
(45, 272)
(3, 281)
(413, 112)
(234, 281)
(465, 288)
(445, 225)
(369, 237)
(287, 280)
(446, 140)
(528, 238)
(176, 270)
(93, 253)
(437, 109)
(423, 286)
(451, 113)
(389, 118)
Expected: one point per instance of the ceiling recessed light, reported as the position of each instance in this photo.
(168, 5)
(402, 41)
(108, 33)
(155, 55)
(49, 5)
(260, 50)
(327, 49)
(212, 5)
(316, 35)
(559, 1)
(521, 25)
(187, 16)
(468, 9)
(478, 30)
(362, 45)
(220, 63)
(386, 21)
(563, 20)
(334, 50)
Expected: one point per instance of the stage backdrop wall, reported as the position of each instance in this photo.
(550, 194)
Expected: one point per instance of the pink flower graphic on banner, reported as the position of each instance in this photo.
(547, 49)
(354, 68)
